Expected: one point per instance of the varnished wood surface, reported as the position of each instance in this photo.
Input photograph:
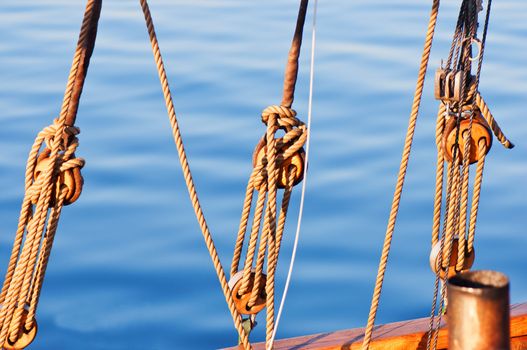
(405, 335)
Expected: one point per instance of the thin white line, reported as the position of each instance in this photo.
(302, 197)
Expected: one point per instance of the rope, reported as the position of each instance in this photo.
(457, 223)
(451, 215)
(188, 177)
(462, 224)
(485, 111)
(52, 180)
(304, 184)
(482, 147)
(253, 240)
(439, 264)
(291, 71)
(440, 127)
(272, 157)
(461, 210)
(278, 163)
(453, 210)
(243, 225)
(453, 175)
(402, 173)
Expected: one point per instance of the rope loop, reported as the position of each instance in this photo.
(63, 164)
(288, 150)
(24, 336)
(285, 116)
(52, 180)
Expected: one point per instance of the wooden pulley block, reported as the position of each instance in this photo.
(242, 301)
(71, 178)
(24, 337)
(480, 130)
(296, 161)
(434, 259)
(448, 84)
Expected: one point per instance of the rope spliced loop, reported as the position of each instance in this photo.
(52, 180)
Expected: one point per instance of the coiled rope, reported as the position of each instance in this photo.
(52, 180)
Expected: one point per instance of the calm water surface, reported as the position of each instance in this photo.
(130, 269)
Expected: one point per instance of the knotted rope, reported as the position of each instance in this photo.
(274, 167)
(278, 162)
(269, 344)
(52, 180)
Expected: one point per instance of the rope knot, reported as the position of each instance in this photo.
(56, 164)
(285, 116)
(65, 173)
(59, 136)
(286, 151)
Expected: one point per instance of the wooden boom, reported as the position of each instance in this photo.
(404, 335)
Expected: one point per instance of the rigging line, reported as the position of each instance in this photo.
(302, 196)
(402, 174)
(187, 174)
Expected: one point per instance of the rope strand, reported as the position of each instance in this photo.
(188, 176)
(402, 174)
(50, 162)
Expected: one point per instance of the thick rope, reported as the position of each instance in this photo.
(264, 179)
(452, 173)
(291, 71)
(243, 225)
(451, 215)
(402, 174)
(485, 111)
(466, 240)
(439, 263)
(465, 177)
(52, 180)
(446, 242)
(253, 240)
(188, 177)
(269, 225)
(462, 223)
(440, 126)
(270, 157)
(482, 148)
(47, 192)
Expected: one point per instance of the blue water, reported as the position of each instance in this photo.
(129, 269)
